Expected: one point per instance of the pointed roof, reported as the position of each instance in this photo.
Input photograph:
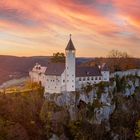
(70, 45)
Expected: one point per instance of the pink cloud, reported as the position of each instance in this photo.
(46, 19)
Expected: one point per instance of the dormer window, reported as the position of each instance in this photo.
(88, 72)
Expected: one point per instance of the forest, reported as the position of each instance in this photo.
(29, 116)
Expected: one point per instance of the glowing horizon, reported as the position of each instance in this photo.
(32, 28)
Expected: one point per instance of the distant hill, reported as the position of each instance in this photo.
(115, 64)
(12, 67)
(16, 67)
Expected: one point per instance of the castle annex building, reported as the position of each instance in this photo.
(67, 77)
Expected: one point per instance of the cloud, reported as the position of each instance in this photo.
(16, 16)
(100, 22)
(129, 10)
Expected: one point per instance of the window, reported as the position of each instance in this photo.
(91, 78)
(95, 78)
(99, 78)
(63, 81)
(79, 79)
(72, 86)
(83, 79)
(88, 78)
(88, 73)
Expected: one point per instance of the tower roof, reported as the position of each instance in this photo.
(70, 45)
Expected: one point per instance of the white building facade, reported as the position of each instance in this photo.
(67, 77)
(132, 72)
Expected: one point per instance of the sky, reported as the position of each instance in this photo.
(42, 27)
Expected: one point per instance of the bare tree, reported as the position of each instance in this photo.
(120, 61)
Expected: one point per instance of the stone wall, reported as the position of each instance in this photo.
(126, 73)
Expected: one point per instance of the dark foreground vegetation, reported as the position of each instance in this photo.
(28, 116)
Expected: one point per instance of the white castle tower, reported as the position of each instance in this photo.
(70, 66)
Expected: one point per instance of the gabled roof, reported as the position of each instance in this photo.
(87, 71)
(70, 45)
(55, 69)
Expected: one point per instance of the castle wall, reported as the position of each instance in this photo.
(53, 84)
(83, 81)
(126, 73)
(63, 81)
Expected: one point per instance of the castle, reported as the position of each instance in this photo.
(67, 77)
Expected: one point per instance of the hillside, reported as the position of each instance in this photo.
(116, 64)
(16, 67)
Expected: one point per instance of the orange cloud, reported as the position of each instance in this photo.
(102, 25)
(129, 10)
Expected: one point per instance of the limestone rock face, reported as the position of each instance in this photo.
(106, 100)
(103, 113)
